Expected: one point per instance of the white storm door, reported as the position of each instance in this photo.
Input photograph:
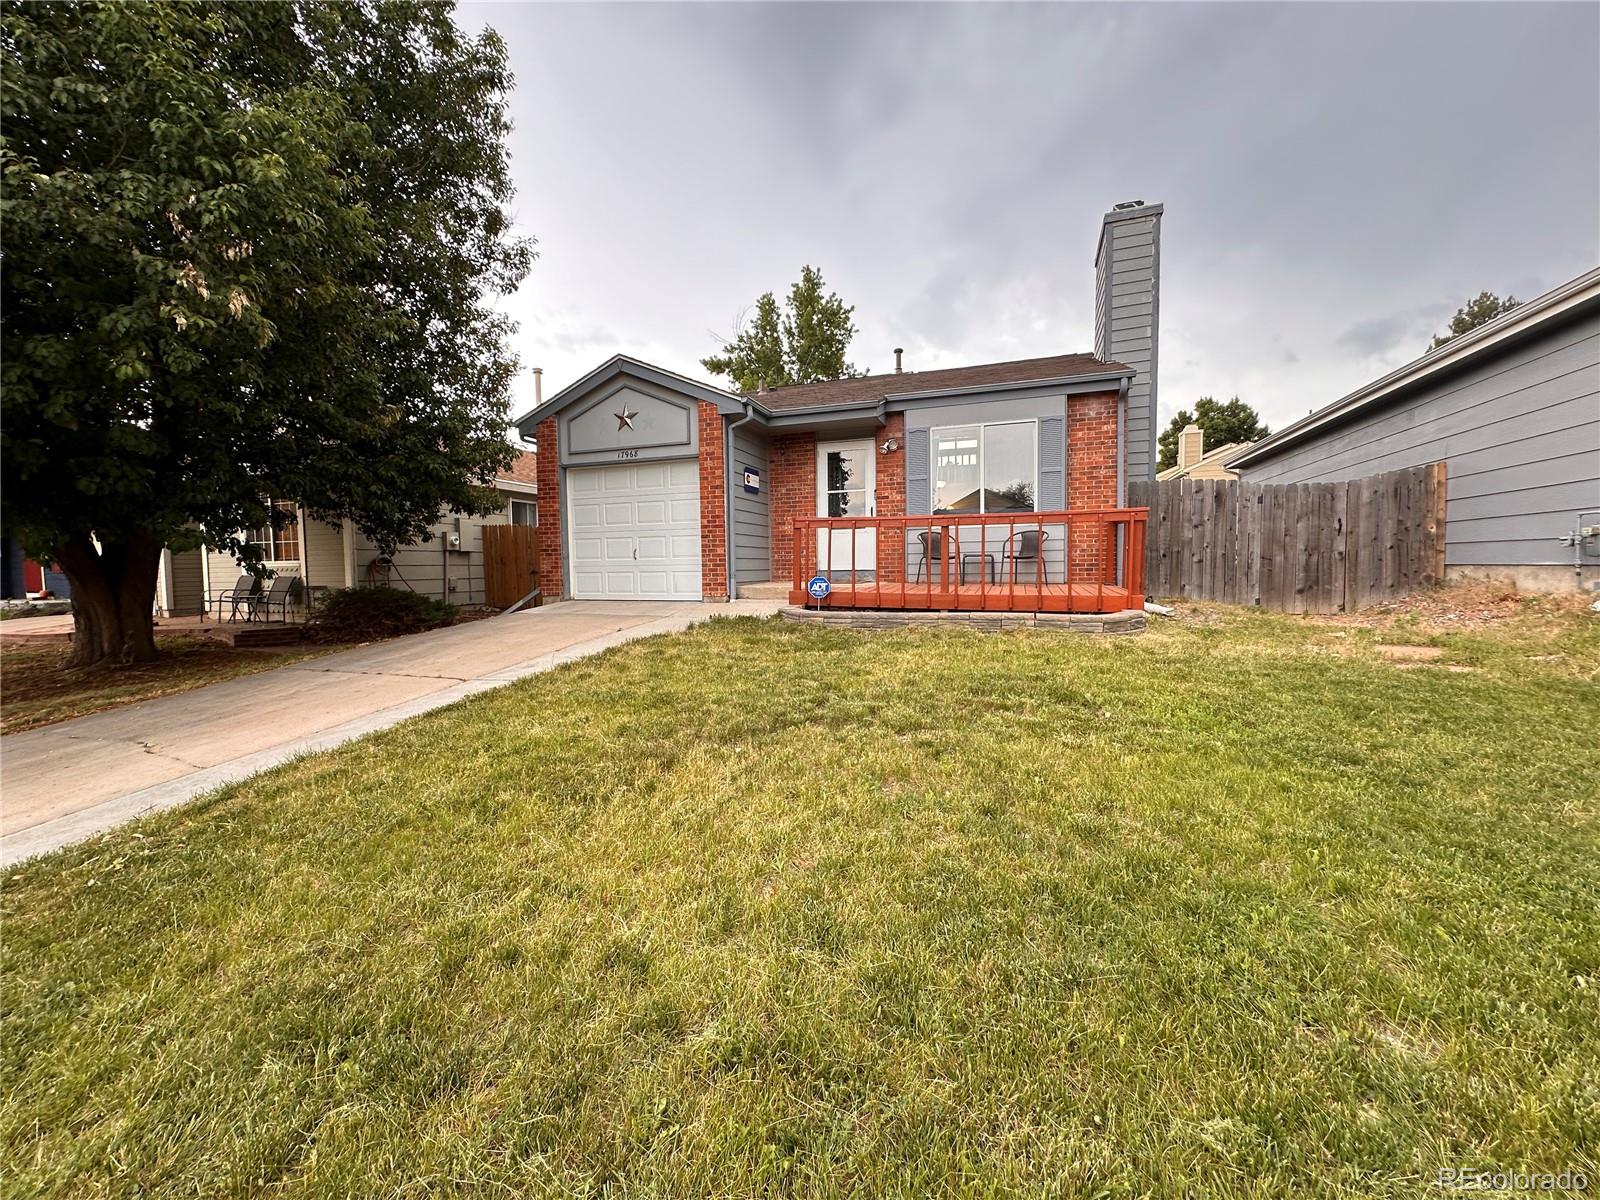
(634, 531)
(846, 487)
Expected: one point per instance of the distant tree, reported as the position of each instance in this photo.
(805, 342)
(251, 252)
(1480, 310)
(1234, 421)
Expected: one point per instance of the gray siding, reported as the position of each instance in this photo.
(752, 516)
(1127, 321)
(1519, 432)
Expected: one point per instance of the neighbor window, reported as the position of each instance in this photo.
(986, 468)
(524, 512)
(280, 544)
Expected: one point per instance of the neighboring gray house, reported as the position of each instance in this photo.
(1513, 410)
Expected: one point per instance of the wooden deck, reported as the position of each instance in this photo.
(974, 597)
(1082, 561)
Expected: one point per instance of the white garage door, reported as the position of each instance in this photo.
(634, 531)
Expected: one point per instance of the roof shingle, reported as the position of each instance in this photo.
(871, 388)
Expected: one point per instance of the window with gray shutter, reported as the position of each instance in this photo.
(919, 494)
(1052, 464)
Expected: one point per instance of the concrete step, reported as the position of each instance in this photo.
(778, 590)
(245, 634)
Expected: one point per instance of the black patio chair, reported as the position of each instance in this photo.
(240, 597)
(1027, 545)
(932, 550)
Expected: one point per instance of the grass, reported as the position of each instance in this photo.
(40, 689)
(1236, 908)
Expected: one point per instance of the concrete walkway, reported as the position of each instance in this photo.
(69, 781)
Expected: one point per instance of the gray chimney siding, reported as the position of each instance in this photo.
(1127, 320)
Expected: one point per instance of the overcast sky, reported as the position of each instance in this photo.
(1338, 179)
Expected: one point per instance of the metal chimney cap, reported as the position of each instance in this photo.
(1127, 204)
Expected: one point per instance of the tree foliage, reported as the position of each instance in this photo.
(1480, 310)
(249, 251)
(1234, 421)
(805, 342)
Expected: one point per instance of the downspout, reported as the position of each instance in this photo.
(727, 496)
(1122, 466)
(1122, 443)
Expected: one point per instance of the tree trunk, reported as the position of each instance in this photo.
(113, 599)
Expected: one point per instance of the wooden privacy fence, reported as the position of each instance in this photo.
(1295, 547)
(510, 563)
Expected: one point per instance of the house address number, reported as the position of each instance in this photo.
(627, 454)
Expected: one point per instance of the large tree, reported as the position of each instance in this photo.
(1234, 421)
(807, 341)
(1480, 310)
(249, 251)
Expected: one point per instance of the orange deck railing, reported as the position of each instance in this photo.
(1079, 560)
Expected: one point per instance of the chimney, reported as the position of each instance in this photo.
(1191, 445)
(538, 386)
(1127, 309)
(898, 351)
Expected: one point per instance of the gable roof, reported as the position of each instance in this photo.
(1210, 456)
(870, 388)
(862, 392)
(1563, 301)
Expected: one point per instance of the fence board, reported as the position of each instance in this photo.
(1304, 548)
(510, 563)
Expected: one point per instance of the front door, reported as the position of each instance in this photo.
(846, 488)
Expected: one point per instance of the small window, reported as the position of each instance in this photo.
(280, 543)
(986, 468)
(524, 512)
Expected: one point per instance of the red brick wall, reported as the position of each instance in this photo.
(550, 518)
(792, 463)
(891, 499)
(713, 508)
(1091, 476)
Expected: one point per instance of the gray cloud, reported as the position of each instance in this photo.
(946, 166)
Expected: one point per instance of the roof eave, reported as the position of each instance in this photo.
(1519, 322)
(620, 364)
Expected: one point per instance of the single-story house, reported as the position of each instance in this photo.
(448, 567)
(657, 486)
(1513, 410)
(1196, 462)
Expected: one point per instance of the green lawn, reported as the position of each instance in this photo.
(1234, 908)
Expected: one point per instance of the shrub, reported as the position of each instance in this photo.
(368, 614)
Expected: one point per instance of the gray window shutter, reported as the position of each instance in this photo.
(919, 493)
(1052, 464)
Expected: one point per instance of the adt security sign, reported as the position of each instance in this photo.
(818, 588)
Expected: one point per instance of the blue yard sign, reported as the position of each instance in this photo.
(818, 588)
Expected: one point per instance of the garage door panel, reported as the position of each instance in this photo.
(638, 536)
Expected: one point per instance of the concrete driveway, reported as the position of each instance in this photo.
(70, 781)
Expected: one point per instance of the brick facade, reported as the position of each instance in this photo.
(891, 498)
(550, 516)
(713, 505)
(792, 461)
(1091, 476)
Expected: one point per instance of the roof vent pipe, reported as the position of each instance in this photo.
(898, 351)
(538, 386)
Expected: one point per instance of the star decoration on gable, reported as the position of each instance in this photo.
(625, 418)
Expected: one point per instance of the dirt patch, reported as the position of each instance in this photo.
(1410, 653)
(1474, 605)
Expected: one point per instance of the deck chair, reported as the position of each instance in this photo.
(932, 551)
(284, 594)
(1027, 545)
(238, 598)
